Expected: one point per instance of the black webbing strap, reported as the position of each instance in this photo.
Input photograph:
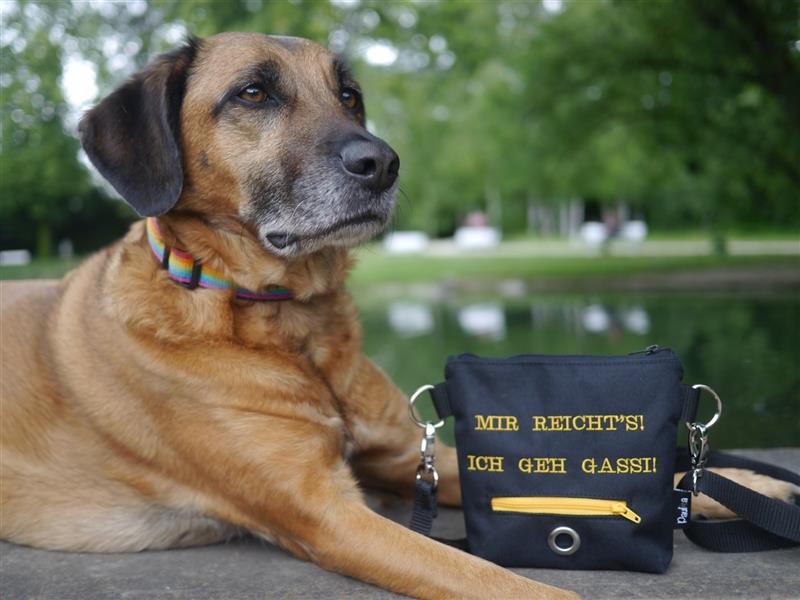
(425, 511)
(715, 458)
(737, 535)
(440, 401)
(689, 399)
(425, 507)
(764, 523)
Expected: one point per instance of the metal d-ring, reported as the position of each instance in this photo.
(717, 414)
(414, 396)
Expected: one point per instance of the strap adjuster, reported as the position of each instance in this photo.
(197, 269)
(165, 258)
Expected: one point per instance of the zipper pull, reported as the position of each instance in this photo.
(622, 509)
(649, 350)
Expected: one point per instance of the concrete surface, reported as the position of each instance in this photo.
(248, 569)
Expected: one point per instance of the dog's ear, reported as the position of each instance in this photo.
(133, 135)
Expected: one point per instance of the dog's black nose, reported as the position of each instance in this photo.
(372, 162)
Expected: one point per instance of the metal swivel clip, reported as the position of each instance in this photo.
(427, 448)
(698, 439)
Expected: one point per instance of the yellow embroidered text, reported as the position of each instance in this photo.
(492, 464)
(543, 465)
(620, 466)
(496, 423)
(588, 423)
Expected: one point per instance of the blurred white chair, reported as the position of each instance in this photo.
(477, 237)
(593, 233)
(483, 320)
(636, 319)
(405, 242)
(410, 319)
(14, 258)
(633, 231)
(595, 318)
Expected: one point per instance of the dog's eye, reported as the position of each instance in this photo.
(350, 98)
(254, 93)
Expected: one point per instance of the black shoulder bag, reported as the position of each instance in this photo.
(568, 462)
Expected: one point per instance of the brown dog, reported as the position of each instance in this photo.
(140, 414)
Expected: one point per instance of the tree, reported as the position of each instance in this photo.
(707, 90)
(39, 171)
(689, 111)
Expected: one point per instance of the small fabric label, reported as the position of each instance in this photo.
(683, 505)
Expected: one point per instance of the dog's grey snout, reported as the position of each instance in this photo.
(370, 161)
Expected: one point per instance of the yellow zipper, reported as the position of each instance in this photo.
(545, 505)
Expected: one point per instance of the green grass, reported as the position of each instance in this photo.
(680, 235)
(48, 268)
(376, 267)
(746, 234)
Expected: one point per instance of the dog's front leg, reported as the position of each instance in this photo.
(284, 479)
(356, 541)
(387, 441)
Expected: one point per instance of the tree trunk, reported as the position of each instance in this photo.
(44, 239)
(494, 206)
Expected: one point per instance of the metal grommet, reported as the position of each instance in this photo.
(575, 542)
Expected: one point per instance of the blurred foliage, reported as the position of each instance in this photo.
(687, 111)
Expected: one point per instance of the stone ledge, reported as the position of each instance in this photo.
(247, 569)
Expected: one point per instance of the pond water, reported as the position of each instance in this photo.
(746, 347)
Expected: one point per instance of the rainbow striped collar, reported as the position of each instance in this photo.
(188, 271)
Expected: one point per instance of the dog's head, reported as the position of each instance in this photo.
(266, 130)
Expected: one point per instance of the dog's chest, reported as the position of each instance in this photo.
(322, 339)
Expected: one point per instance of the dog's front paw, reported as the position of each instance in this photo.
(703, 506)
